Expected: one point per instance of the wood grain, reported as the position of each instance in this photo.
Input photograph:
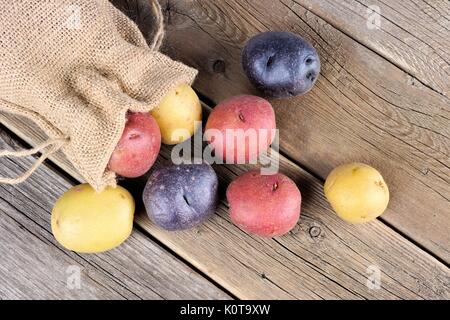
(364, 108)
(323, 258)
(411, 34)
(34, 266)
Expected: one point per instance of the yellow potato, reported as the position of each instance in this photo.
(177, 113)
(357, 192)
(90, 222)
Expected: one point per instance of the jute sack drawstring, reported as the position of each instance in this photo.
(53, 144)
(75, 68)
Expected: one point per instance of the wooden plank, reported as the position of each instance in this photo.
(34, 266)
(322, 258)
(412, 34)
(32, 269)
(363, 108)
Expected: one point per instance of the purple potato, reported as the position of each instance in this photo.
(280, 64)
(179, 197)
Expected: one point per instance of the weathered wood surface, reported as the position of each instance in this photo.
(411, 34)
(34, 266)
(323, 257)
(364, 107)
(363, 103)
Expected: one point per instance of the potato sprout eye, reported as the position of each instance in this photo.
(269, 61)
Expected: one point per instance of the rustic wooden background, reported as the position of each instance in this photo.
(382, 98)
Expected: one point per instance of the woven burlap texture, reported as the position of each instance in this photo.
(75, 67)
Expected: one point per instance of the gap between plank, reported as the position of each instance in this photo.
(190, 265)
(208, 102)
(371, 49)
(204, 98)
(56, 169)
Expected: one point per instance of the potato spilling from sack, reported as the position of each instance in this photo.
(138, 147)
(89, 222)
(178, 115)
(357, 192)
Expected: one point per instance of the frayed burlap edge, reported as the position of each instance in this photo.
(177, 72)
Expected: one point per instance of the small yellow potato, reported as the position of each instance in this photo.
(177, 113)
(357, 192)
(89, 222)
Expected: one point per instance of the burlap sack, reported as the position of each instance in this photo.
(75, 67)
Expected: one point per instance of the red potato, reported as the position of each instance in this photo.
(265, 205)
(250, 124)
(138, 147)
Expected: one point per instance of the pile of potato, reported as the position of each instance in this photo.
(178, 197)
